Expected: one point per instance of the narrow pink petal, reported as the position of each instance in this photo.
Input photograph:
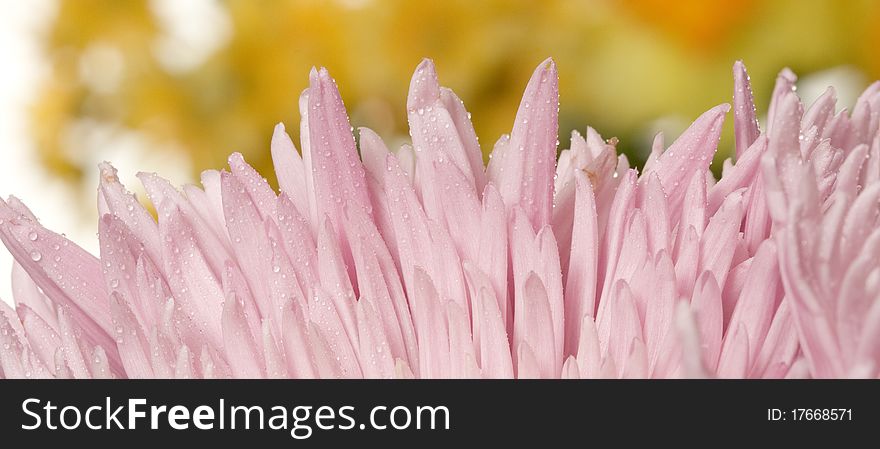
(821, 111)
(336, 170)
(694, 207)
(241, 348)
(298, 241)
(335, 281)
(868, 350)
(758, 300)
(41, 338)
(326, 364)
(436, 136)
(624, 324)
(461, 344)
(120, 252)
(493, 250)
(166, 199)
(535, 327)
(756, 227)
(276, 367)
(653, 203)
(70, 347)
(460, 208)
(580, 286)
(734, 361)
(745, 121)
(410, 224)
(126, 207)
(25, 292)
(691, 347)
(464, 127)
(612, 237)
(297, 345)
(375, 352)
(12, 345)
(781, 345)
(687, 262)
(132, 341)
(373, 152)
(283, 285)
(197, 292)
(784, 86)
(394, 314)
(495, 358)
(589, 355)
(256, 186)
(691, 153)
(289, 168)
(430, 326)
(721, 236)
(659, 313)
(325, 315)
(856, 295)
(706, 306)
(523, 171)
(250, 244)
(783, 133)
(741, 175)
(632, 260)
(48, 258)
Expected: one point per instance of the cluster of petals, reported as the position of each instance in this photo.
(419, 262)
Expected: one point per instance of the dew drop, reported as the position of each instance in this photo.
(36, 256)
(32, 236)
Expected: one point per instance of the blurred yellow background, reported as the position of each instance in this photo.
(176, 85)
(622, 64)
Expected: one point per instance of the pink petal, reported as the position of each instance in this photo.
(374, 348)
(706, 306)
(523, 170)
(580, 287)
(758, 300)
(257, 187)
(289, 168)
(534, 327)
(691, 153)
(46, 257)
(495, 358)
(436, 136)
(745, 121)
(127, 208)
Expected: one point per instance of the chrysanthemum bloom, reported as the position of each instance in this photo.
(421, 263)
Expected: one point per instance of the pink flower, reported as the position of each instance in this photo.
(421, 263)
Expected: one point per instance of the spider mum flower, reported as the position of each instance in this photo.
(420, 262)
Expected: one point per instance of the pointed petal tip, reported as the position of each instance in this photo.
(788, 74)
(424, 87)
(426, 65)
(235, 158)
(108, 172)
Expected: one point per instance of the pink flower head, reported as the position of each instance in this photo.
(420, 262)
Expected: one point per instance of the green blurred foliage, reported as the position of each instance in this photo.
(622, 64)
